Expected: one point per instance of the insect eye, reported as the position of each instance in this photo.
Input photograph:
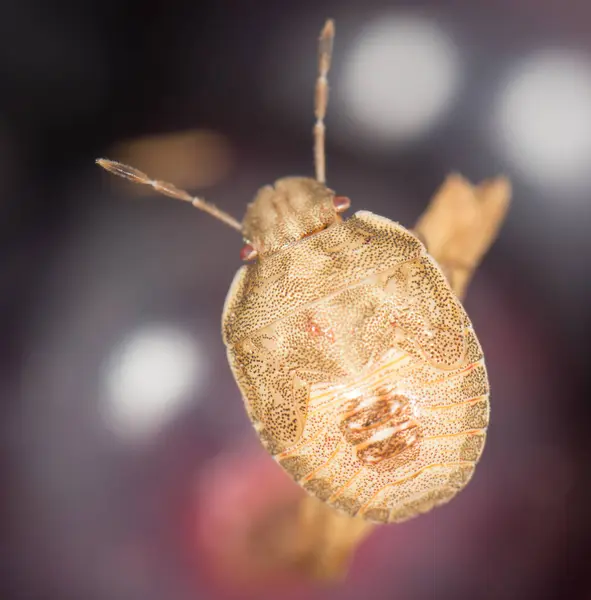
(341, 203)
(248, 252)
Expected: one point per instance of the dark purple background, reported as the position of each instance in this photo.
(87, 514)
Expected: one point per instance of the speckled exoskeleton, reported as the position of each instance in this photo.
(359, 367)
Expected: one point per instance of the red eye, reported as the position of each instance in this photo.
(341, 203)
(248, 252)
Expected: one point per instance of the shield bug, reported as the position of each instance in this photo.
(359, 367)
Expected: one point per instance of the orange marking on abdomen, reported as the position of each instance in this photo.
(311, 474)
(452, 435)
(466, 369)
(361, 384)
(344, 487)
(458, 463)
(296, 449)
(454, 404)
(365, 378)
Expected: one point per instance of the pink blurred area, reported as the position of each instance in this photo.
(130, 468)
(512, 520)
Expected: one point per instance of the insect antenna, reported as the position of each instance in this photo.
(321, 97)
(168, 189)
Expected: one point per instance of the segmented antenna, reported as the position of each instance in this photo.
(168, 189)
(321, 97)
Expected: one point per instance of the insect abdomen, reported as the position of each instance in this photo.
(362, 375)
(379, 424)
(381, 449)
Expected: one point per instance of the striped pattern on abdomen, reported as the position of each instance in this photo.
(397, 440)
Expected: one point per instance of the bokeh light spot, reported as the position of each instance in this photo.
(543, 118)
(400, 78)
(150, 375)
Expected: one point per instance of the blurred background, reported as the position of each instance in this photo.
(129, 467)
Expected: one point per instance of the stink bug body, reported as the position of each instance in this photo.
(359, 367)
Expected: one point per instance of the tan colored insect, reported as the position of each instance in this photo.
(359, 368)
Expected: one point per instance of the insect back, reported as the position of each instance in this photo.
(359, 368)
